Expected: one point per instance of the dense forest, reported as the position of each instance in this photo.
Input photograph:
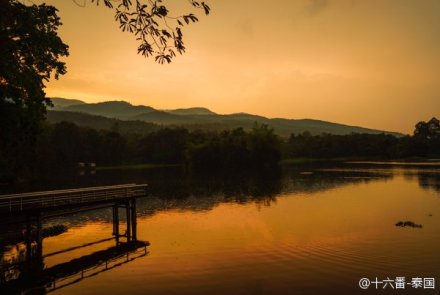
(64, 146)
(361, 146)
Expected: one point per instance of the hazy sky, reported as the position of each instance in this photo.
(374, 63)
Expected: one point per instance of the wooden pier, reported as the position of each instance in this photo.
(67, 198)
(31, 209)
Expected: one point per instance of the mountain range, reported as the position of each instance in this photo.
(109, 112)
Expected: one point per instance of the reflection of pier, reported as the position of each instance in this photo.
(31, 274)
(32, 208)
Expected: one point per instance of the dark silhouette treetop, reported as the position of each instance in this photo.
(29, 52)
(159, 33)
(428, 130)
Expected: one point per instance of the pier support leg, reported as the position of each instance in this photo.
(130, 212)
(34, 253)
(133, 219)
(39, 236)
(114, 208)
(116, 222)
(28, 238)
(128, 215)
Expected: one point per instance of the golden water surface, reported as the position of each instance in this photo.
(320, 239)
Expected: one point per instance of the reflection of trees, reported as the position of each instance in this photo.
(429, 180)
(173, 188)
(204, 192)
(326, 179)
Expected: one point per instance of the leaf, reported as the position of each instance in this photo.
(206, 8)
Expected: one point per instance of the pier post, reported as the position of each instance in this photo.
(113, 219)
(116, 222)
(128, 215)
(39, 235)
(133, 221)
(28, 238)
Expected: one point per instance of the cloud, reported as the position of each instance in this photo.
(314, 7)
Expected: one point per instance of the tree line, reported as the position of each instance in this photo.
(424, 143)
(62, 146)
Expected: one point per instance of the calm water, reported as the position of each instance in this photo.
(308, 230)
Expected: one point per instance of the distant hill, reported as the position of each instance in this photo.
(111, 109)
(60, 103)
(101, 123)
(191, 111)
(198, 118)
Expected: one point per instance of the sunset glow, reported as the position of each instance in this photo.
(368, 63)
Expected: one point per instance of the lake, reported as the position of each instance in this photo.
(316, 229)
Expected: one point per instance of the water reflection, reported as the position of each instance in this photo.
(270, 232)
(23, 268)
(172, 189)
(176, 182)
(19, 274)
(429, 180)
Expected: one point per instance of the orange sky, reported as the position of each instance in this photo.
(372, 63)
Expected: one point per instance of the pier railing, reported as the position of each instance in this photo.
(58, 198)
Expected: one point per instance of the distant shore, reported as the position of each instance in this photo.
(405, 161)
(293, 161)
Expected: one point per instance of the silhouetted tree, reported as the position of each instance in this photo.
(66, 146)
(264, 146)
(235, 149)
(166, 146)
(29, 53)
(426, 139)
(113, 149)
(333, 146)
(428, 130)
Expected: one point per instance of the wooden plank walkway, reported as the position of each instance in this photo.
(61, 198)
